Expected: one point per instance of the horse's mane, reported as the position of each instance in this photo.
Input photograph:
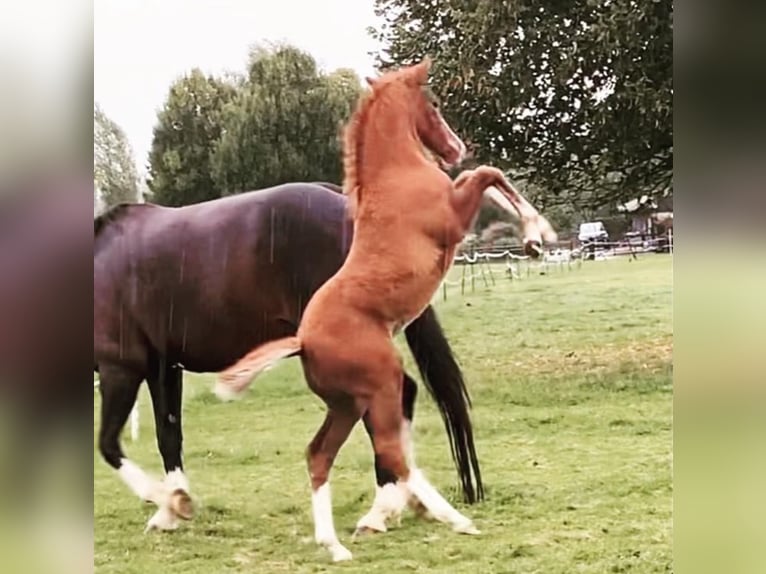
(113, 214)
(353, 144)
(353, 135)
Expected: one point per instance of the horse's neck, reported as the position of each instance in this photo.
(390, 144)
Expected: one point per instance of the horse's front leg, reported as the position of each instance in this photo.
(165, 387)
(471, 185)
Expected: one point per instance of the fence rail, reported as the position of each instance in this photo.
(478, 265)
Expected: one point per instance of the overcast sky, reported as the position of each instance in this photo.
(141, 46)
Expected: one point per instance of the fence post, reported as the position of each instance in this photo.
(491, 276)
(483, 276)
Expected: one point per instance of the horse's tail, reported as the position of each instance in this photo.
(444, 380)
(235, 380)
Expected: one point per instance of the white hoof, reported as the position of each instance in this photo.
(340, 553)
(163, 519)
(370, 522)
(466, 528)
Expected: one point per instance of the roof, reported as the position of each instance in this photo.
(642, 203)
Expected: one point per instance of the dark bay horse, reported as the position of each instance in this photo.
(196, 287)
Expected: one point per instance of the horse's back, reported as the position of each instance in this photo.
(206, 282)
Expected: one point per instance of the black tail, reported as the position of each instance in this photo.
(444, 381)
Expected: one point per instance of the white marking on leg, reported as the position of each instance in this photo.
(143, 485)
(409, 453)
(176, 480)
(437, 505)
(534, 226)
(134, 422)
(390, 501)
(324, 529)
(407, 443)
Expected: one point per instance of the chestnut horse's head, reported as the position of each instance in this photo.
(429, 124)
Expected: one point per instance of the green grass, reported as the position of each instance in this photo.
(571, 378)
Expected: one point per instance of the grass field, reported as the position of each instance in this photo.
(571, 378)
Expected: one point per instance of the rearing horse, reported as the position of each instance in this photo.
(409, 218)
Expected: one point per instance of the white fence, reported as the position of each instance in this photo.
(478, 266)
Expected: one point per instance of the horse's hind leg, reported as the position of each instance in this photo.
(409, 394)
(385, 417)
(119, 388)
(392, 496)
(321, 453)
(165, 387)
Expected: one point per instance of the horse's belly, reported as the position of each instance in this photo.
(414, 296)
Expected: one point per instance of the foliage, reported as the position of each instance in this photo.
(276, 123)
(114, 171)
(187, 128)
(284, 124)
(578, 95)
(571, 384)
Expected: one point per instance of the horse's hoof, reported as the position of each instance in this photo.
(533, 249)
(181, 504)
(467, 528)
(164, 519)
(340, 553)
(369, 524)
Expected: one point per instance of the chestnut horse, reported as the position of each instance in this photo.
(409, 219)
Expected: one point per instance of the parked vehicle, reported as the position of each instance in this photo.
(592, 231)
(591, 234)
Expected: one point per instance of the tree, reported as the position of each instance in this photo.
(188, 127)
(284, 124)
(577, 94)
(114, 171)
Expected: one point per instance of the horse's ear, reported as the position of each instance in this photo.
(372, 82)
(421, 70)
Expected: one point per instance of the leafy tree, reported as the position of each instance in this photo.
(114, 171)
(188, 127)
(284, 123)
(577, 94)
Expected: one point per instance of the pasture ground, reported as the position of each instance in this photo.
(571, 378)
